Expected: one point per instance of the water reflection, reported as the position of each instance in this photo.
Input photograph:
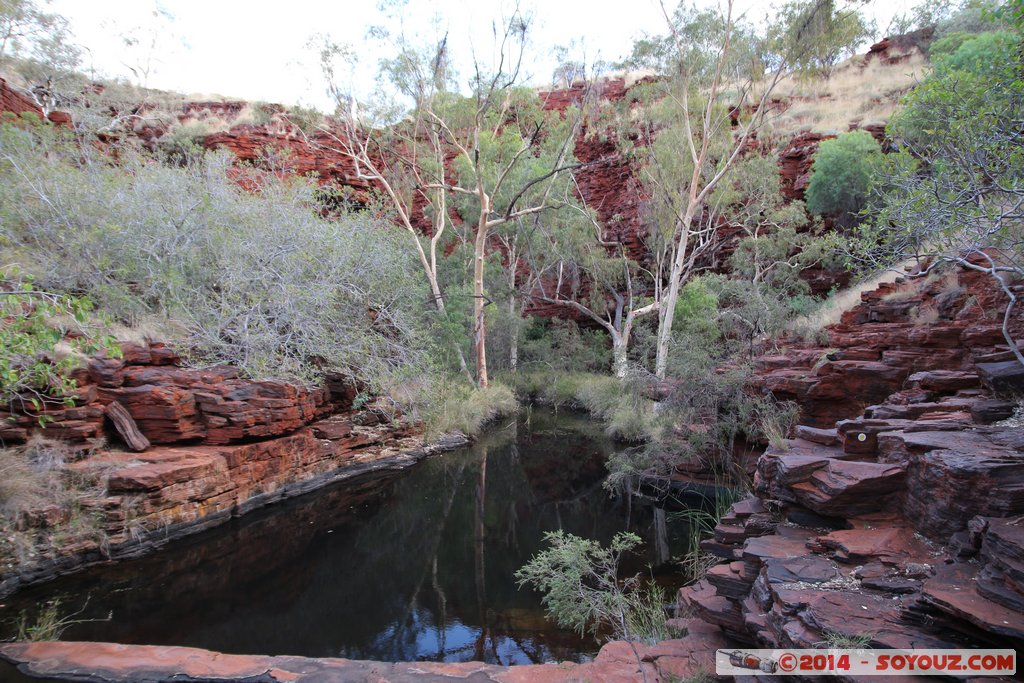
(407, 566)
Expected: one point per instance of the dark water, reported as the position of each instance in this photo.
(408, 566)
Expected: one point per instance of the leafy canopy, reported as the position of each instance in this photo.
(841, 175)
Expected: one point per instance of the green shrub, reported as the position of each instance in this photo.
(582, 589)
(841, 175)
(697, 311)
(455, 406)
(256, 276)
(948, 44)
(700, 524)
(33, 368)
(977, 53)
(306, 119)
(563, 346)
(49, 623)
(628, 415)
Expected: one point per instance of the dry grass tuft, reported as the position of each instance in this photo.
(904, 293)
(860, 93)
(147, 329)
(830, 312)
(43, 505)
(924, 315)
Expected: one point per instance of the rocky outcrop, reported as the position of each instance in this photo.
(16, 102)
(170, 404)
(220, 446)
(795, 161)
(899, 49)
(899, 526)
(112, 663)
(317, 153)
(935, 336)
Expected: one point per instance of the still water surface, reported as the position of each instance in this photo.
(405, 566)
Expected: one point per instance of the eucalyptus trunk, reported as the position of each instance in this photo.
(479, 323)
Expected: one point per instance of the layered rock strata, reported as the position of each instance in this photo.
(950, 324)
(896, 524)
(221, 446)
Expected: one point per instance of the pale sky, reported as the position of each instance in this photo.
(255, 50)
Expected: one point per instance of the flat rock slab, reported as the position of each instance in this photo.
(1005, 376)
(829, 486)
(854, 614)
(825, 437)
(888, 545)
(809, 569)
(115, 663)
(953, 590)
(762, 548)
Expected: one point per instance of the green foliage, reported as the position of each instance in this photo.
(582, 589)
(841, 175)
(952, 191)
(697, 312)
(924, 13)
(563, 346)
(974, 53)
(257, 278)
(306, 119)
(813, 35)
(49, 623)
(621, 404)
(948, 44)
(949, 186)
(183, 144)
(455, 406)
(702, 32)
(700, 524)
(972, 17)
(706, 415)
(32, 38)
(33, 371)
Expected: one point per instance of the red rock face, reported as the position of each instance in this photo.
(223, 444)
(899, 49)
(608, 183)
(893, 333)
(171, 404)
(900, 524)
(303, 156)
(795, 161)
(16, 102)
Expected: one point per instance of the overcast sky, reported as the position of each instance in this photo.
(255, 50)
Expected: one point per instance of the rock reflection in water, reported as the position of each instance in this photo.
(406, 566)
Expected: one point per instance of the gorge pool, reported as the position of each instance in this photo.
(413, 565)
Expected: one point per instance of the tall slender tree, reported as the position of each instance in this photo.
(493, 156)
(706, 114)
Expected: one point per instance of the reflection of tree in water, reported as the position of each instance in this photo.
(420, 567)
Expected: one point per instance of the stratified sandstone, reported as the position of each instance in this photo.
(899, 525)
(938, 336)
(221, 446)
